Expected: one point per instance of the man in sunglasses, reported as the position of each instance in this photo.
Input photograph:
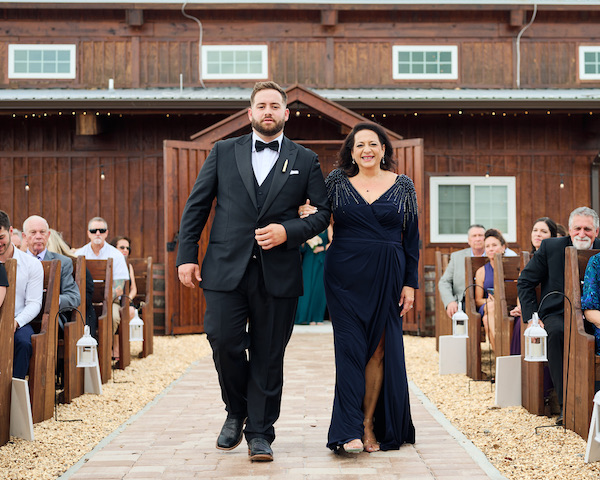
(100, 249)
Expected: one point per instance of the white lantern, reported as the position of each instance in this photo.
(536, 341)
(136, 329)
(87, 355)
(597, 407)
(460, 323)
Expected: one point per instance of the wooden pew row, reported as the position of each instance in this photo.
(443, 324)
(506, 273)
(73, 376)
(581, 364)
(144, 280)
(102, 273)
(7, 323)
(42, 365)
(475, 325)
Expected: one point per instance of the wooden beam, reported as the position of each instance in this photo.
(517, 18)
(329, 18)
(87, 125)
(135, 18)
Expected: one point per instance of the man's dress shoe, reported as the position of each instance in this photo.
(259, 450)
(231, 433)
(560, 420)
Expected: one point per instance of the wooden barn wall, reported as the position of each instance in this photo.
(64, 175)
(356, 52)
(63, 169)
(539, 150)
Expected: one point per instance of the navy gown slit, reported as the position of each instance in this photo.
(375, 252)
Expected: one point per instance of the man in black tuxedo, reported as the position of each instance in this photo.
(547, 268)
(251, 272)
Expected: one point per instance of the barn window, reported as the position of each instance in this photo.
(425, 62)
(457, 202)
(234, 62)
(589, 63)
(41, 61)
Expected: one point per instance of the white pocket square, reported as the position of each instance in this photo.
(294, 172)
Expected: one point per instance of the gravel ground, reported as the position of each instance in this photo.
(506, 435)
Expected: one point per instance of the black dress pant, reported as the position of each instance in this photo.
(555, 327)
(248, 330)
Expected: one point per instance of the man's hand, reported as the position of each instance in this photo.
(451, 309)
(270, 236)
(16, 326)
(187, 272)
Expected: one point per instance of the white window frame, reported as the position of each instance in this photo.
(453, 49)
(435, 182)
(12, 48)
(582, 51)
(263, 49)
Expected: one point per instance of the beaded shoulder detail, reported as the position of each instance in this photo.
(339, 190)
(402, 193)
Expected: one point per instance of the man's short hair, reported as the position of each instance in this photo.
(34, 217)
(475, 225)
(4, 220)
(584, 212)
(258, 86)
(98, 219)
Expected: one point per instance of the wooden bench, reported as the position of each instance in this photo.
(102, 273)
(581, 364)
(532, 373)
(73, 331)
(42, 366)
(7, 325)
(506, 273)
(472, 264)
(142, 269)
(443, 324)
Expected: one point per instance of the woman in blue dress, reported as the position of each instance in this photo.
(371, 272)
(590, 297)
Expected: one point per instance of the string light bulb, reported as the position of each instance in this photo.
(26, 183)
(562, 182)
(102, 176)
(487, 172)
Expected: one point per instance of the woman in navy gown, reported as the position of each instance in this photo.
(370, 276)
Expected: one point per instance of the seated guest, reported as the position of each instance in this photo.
(3, 283)
(99, 249)
(57, 244)
(28, 296)
(16, 238)
(543, 228)
(547, 269)
(484, 277)
(590, 297)
(36, 232)
(561, 231)
(123, 244)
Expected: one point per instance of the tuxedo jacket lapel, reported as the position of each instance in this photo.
(243, 158)
(286, 160)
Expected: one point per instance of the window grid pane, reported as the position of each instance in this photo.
(429, 62)
(491, 206)
(235, 62)
(42, 61)
(454, 209)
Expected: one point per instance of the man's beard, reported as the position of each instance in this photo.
(275, 128)
(582, 243)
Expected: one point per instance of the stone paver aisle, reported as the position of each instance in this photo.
(174, 438)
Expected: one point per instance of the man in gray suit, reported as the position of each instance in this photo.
(36, 232)
(452, 283)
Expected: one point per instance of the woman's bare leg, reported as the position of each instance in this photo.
(373, 382)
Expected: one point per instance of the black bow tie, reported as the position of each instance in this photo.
(260, 146)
